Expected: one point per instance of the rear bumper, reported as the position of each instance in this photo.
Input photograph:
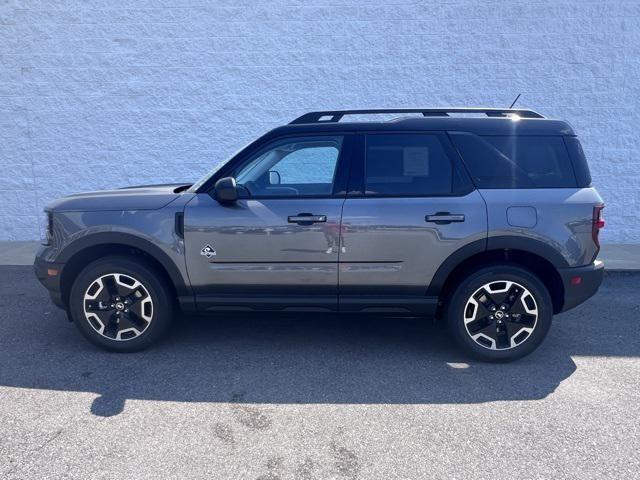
(577, 291)
(43, 271)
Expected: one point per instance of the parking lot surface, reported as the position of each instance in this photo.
(317, 397)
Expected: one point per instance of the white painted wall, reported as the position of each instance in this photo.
(154, 91)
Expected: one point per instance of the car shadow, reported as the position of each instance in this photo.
(300, 359)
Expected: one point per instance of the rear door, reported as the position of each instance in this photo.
(277, 248)
(410, 206)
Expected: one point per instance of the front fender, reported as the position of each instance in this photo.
(172, 262)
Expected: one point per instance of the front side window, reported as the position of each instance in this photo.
(301, 166)
(407, 165)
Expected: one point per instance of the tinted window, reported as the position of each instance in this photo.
(302, 166)
(580, 165)
(516, 161)
(407, 165)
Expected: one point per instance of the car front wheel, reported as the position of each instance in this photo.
(120, 304)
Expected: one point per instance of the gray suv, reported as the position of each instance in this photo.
(485, 218)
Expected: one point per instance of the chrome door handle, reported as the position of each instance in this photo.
(442, 218)
(307, 218)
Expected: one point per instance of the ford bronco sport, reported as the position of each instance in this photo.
(485, 218)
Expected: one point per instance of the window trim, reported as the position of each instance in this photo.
(356, 188)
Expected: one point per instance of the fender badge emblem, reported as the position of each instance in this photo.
(208, 251)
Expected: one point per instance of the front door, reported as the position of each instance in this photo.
(410, 207)
(278, 248)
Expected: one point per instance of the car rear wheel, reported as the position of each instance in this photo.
(121, 304)
(500, 313)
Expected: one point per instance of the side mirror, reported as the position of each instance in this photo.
(226, 190)
(274, 177)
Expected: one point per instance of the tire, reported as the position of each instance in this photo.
(474, 318)
(140, 316)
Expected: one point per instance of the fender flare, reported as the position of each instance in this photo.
(501, 242)
(129, 240)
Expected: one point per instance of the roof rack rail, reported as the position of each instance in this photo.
(336, 115)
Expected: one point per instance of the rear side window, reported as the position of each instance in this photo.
(500, 161)
(407, 165)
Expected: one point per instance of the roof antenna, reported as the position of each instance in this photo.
(514, 102)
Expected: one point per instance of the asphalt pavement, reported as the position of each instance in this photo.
(317, 397)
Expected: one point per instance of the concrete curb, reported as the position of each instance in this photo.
(620, 257)
(617, 257)
(18, 253)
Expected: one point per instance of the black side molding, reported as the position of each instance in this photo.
(384, 304)
(290, 303)
(389, 304)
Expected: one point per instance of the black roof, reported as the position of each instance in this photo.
(494, 122)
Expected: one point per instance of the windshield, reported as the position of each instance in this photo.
(213, 171)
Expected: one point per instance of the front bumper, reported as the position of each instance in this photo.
(43, 271)
(580, 283)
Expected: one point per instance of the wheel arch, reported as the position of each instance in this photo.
(535, 256)
(87, 249)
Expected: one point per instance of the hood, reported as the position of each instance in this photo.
(148, 197)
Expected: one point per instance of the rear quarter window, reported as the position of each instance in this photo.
(509, 161)
(580, 165)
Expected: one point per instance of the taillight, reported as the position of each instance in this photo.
(598, 224)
